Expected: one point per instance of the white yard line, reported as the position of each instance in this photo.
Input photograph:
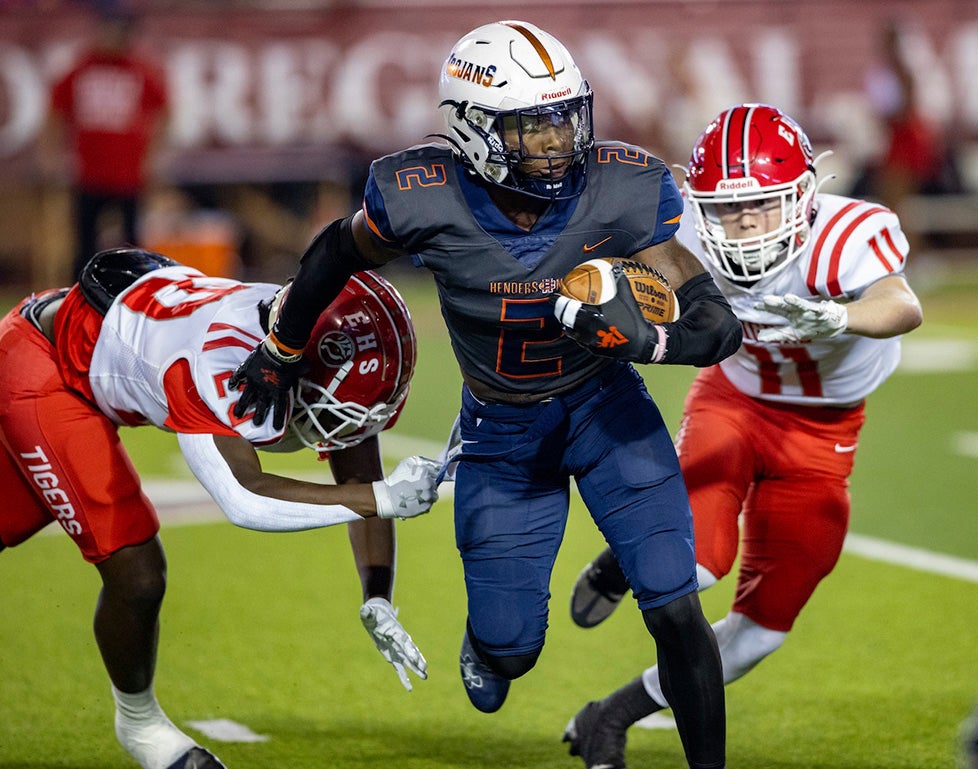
(965, 444)
(186, 503)
(912, 557)
(934, 356)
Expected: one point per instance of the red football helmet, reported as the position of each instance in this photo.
(752, 152)
(361, 353)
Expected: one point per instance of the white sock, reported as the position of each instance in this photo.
(743, 643)
(145, 732)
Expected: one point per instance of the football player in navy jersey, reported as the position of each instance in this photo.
(518, 195)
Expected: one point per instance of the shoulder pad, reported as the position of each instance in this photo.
(109, 273)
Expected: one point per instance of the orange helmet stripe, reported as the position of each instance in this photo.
(537, 46)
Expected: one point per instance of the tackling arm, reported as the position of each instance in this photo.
(273, 369)
(372, 540)
(228, 467)
(886, 308)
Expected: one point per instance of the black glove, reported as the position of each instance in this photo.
(614, 329)
(267, 382)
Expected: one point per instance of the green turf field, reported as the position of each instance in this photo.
(262, 629)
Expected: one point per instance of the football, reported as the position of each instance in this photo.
(592, 282)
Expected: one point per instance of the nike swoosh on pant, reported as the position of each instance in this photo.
(840, 449)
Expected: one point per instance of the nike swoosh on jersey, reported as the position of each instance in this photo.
(588, 249)
(840, 449)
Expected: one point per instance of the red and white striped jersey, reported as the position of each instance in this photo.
(169, 344)
(853, 244)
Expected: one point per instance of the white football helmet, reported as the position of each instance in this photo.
(512, 74)
(756, 153)
(361, 356)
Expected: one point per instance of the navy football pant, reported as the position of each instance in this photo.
(512, 494)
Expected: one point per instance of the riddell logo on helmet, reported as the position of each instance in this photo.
(749, 183)
(466, 70)
(555, 95)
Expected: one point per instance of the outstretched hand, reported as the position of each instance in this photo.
(410, 490)
(392, 640)
(807, 319)
(265, 383)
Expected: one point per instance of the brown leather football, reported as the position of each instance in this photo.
(592, 282)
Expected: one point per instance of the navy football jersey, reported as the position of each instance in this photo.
(494, 279)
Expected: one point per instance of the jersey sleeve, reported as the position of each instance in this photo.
(188, 413)
(201, 403)
(859, 245)
(670, 209)
(375, 212)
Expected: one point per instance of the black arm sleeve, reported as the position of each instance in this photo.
(707, 330)
(324, 269)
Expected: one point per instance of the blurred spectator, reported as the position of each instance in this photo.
(702, 83)
(107, 118)
(914, 158)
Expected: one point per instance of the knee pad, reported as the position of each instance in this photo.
(511, 667)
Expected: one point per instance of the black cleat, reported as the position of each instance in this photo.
(600, 745)
(197, 758)
(597, 592)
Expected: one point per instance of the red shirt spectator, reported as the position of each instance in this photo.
(110, 102)
(107, 111)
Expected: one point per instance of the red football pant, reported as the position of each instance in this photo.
(785, 469)
(61, 458)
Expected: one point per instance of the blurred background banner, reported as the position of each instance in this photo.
(271, 101)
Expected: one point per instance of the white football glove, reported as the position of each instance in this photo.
(807, 319)
(392, 640)
(408, 491)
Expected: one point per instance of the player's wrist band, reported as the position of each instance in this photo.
(279, 351)
(657, 342)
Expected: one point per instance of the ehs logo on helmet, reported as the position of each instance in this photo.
(335, 348)
(732, 185)
(468, 71)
